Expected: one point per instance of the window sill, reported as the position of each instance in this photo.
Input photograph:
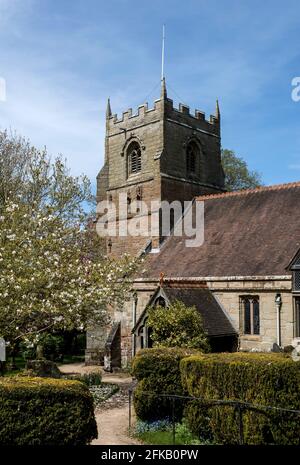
(192, 176)
(134, 175)
(251, 337)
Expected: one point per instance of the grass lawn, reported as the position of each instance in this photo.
(164, 436)
(158, 437)
(20, 363)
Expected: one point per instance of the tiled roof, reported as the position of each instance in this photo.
(246, 233)
(256, 190)
(215, 321)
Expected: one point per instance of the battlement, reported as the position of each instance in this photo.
(164, 107)
(142, 112)
(198, 114)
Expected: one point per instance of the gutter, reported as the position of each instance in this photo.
(216, 278)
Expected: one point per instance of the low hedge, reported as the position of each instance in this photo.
(260, 379)
(42, 411)
(157, 371)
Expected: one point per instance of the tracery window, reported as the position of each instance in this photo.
(191, 158)
(251, 318)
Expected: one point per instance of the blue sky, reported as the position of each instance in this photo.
(62, 59)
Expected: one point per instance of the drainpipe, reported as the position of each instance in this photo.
(278, 303)
(134, 307)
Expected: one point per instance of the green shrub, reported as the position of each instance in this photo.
(28, 352)
(90, 379)
(260, 379)
(40, 411)
(53, 346)
(157, 372)
(177, 326)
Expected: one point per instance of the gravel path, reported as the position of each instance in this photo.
(112, 415)
(113, 427)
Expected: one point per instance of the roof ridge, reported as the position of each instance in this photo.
(255, 190)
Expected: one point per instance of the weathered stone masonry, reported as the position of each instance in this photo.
(163, 134)
(250, 236)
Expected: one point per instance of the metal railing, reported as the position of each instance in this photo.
(238, 405)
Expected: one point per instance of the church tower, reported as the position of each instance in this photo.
(161, 153)
(158, 154)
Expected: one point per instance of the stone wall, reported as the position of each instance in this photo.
(179, 130)
(229, 294)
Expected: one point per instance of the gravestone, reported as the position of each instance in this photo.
(296, 351)
(2, 350)
(43, 368)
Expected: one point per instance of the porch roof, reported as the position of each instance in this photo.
(215, 321)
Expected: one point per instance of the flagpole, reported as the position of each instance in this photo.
(163, 53)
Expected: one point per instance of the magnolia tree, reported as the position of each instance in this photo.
(53, 274)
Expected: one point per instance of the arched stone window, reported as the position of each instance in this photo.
(134, 158)
(141, 337)
(250, 315)
(192, 155)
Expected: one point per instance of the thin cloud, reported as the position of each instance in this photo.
(61, 64)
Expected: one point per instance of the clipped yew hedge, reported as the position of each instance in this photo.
(158, 371)
(260, 379)
(44, 411)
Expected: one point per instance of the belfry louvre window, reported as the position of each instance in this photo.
(250, 314)
(191, 155)
(134, 158)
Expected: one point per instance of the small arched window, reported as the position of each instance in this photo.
(191, 158)
(160, 302)
(141, 336)
(134, 157)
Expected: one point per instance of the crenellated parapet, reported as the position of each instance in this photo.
(143, 115)
(183, 115)
(164, 108)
